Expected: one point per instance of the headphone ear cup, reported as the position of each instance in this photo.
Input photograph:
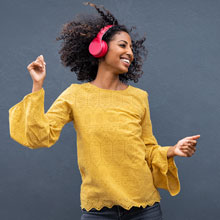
(104, 49)
(98, 49)
(95, 47)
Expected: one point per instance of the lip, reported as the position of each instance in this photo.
(126, 64)
(127, 58)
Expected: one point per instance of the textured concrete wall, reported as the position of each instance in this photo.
(181, 75)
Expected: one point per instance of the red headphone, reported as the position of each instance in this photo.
(98, 47)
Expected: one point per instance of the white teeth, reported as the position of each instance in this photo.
(125, 60)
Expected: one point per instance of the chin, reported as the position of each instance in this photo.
(122, 71)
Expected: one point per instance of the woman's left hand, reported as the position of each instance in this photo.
(185, 147)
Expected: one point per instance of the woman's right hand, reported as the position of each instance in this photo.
(37, 70)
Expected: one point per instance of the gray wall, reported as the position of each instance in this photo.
(181, 75)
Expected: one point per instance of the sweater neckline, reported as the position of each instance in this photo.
(107, 90)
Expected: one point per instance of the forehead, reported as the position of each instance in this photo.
(122, 36)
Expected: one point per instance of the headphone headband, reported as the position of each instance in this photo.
(103, 31)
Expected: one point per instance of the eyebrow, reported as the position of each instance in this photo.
(125, 42)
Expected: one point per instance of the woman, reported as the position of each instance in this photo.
(120, 161)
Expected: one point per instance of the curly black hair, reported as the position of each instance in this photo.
(78, 34)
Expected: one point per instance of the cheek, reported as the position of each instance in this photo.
(113, 55)
(111, 58)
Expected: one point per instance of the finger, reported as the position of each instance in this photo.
(191, 142)
(191, 150)
(38, 64)
(188, 152)
(186, 147)
(35, 65)
(41, 60)
(193, 137)
(31, 66)
(40, 57)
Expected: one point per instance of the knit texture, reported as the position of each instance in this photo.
(119, 159)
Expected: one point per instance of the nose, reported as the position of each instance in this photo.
(130, 54)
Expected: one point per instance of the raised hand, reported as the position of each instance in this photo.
(37, 70)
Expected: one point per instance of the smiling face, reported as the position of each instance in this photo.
(119, 55)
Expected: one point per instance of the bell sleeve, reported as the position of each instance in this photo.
(164, 170)
(30, 126)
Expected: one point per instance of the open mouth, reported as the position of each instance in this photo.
(126, 62)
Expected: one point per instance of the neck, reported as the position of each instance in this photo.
(107, 79)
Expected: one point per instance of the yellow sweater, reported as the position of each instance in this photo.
(119, 159)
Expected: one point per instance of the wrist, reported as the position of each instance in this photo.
(170, 152)
(36, 86)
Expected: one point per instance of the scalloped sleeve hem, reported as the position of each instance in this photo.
(165, 172)
(18, 116)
